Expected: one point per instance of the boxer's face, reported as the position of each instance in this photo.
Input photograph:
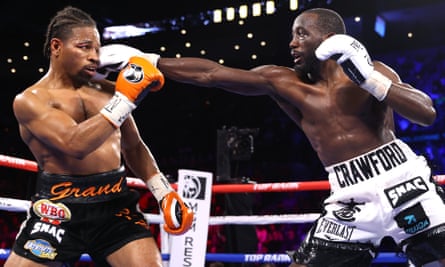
(80, 52)
(305, 39)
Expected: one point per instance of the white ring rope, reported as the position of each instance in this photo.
(14, 205)
(17, 205)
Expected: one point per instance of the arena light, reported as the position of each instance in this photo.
(256, 9)
(270, 7)
(126, 31)
(217, 16)
(230, 13)
(293, 4)
(380, 26)
(243, 11)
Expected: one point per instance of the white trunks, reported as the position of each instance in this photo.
(385, 192)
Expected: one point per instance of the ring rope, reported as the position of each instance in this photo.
(29, 165)
(23, 205)
(17, 205)
(384, 257)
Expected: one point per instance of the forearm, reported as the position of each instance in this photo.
(207, 73)
(136, 153)
(195, 71)
(141, 161)
(411, 103)
(178, 217)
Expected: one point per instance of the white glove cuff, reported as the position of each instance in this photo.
(117, 109)
(377, 85)
(153, 58)
(159, 186)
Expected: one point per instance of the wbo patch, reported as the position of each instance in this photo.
(413, 219)
(51, 212)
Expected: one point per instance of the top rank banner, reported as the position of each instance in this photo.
(189, 249)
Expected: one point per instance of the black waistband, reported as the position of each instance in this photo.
(81, 188)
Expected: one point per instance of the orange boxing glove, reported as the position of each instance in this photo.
(178, 217)
(133, 83)
(139, 78)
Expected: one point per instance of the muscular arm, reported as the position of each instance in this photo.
(207, 73)
(56, 129)
(408, 101)
(137, 155)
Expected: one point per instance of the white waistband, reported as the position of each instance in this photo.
(369, 165)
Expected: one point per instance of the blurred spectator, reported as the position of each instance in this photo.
(216, 264)
(263, 237)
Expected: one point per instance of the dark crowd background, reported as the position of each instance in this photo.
(188, 127)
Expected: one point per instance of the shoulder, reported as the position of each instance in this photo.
(33, 93)
(26, 103)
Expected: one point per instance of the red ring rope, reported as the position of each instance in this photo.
(29, 165)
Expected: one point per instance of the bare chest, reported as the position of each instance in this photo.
(335, 103)
(79, 105)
